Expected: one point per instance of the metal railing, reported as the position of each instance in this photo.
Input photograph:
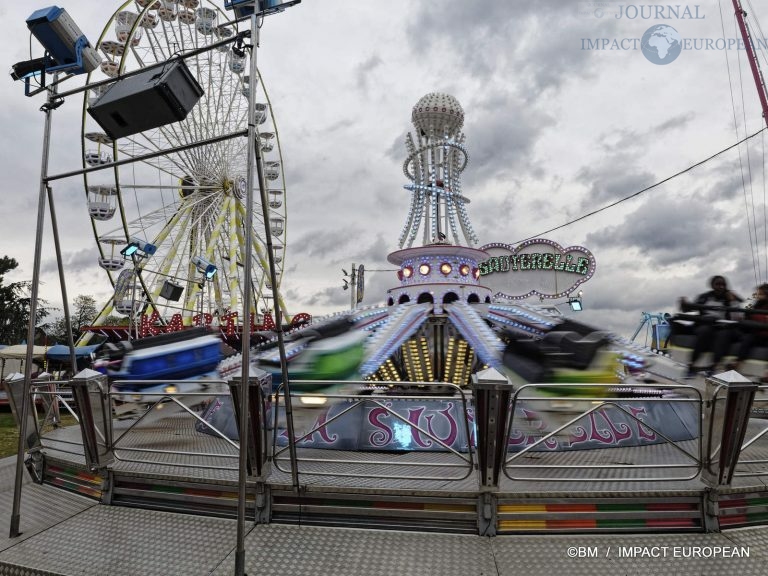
(583, 405)
(443, 460)
(148, 404)
(54, 395)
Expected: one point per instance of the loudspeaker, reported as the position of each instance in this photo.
(171, 291)
(153, 98)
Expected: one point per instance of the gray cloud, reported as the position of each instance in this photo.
(605, 184)
(321, 243)
(335, 297)
(479, 39)
(679, 232)
(502, 132)
(675, 123)
(74, 262)
(364, 71)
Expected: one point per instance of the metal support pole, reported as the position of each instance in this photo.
(278, 310)
(62, 283)
(254, 158)
(246, 319)
(48, 109)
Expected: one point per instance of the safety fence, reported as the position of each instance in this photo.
(376, 435)
(532, 432)
(637, 435)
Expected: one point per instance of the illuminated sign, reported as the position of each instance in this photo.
(534, 261)
(536, 267)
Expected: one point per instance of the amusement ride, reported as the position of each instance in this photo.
(186, 198)
(443, 408)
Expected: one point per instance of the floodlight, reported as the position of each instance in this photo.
(243, 8)
(129, 250)
(65, 44)
(205, 267)
(575, 304)
(138, 245)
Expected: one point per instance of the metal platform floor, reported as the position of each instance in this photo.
(178, 447)
(362, 471)
(64, 533)
(78, 537)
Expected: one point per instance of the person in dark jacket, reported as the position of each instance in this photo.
(753, 334)
(715, 327)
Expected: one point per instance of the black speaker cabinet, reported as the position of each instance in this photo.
(153, 98)
(171, 291)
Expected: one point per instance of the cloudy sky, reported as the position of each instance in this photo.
(555, 129)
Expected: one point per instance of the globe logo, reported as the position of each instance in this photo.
(661, 44)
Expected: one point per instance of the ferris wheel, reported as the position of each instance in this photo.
(184, 199)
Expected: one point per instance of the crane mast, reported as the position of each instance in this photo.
(753, 62)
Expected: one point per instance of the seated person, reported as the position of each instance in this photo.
(712, 306)
(752, 334)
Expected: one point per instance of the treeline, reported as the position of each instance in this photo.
(15, 309)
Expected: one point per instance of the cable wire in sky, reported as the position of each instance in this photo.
(651, 187)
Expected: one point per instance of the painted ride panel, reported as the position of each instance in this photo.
(437, 425)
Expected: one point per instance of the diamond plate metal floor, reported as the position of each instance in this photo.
(41, 506)
(132, 542)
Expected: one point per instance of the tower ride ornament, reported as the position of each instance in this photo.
(434, 165)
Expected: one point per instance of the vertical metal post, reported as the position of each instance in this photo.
(278, 310)
(247, 296)
(62, 283)
(725, 425)
(48, 109)
(254, 158)
(729, 401)
(353, 288)
(91, 393)
(491, 391)
(245, 352)
(260, 388)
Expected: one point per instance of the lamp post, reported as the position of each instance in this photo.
(355, 283)
(351, 285)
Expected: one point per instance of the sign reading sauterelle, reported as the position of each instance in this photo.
(536, 267)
